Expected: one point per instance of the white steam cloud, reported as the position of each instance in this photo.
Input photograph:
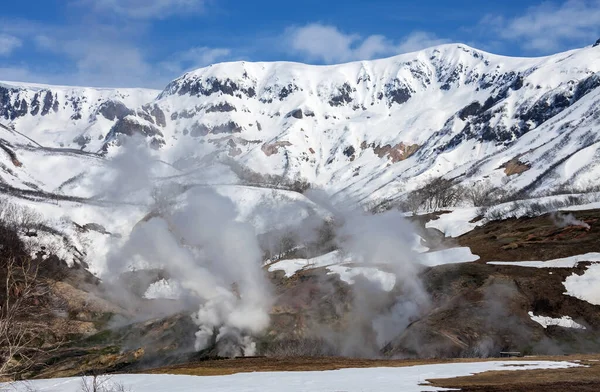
(195, 237)
(214, 259)
(565, 220)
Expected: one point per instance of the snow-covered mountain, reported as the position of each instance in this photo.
(368, 130)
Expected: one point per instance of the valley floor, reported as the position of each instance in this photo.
(561, 373)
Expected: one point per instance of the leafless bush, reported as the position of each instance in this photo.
(250, 177)
(436, 194)
(18, 217)
(21, 322)
(530, 208)
(97, 383)
(485, 194)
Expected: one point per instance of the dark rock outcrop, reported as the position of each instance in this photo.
(342, 96)
(296, 113)
(221, 107)
(130, 126)
(114, 110)
(206, 87)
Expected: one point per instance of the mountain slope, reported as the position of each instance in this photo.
(366, 131)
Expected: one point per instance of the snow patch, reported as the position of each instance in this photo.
(456, 223)
(565, 321)
(567, 262)
(585, 287)
(448, 256)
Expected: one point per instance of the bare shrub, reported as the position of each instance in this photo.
(97, 383)
(21, 322)
(18, 217)
(252, 178)
(436, 194)
(484, 194)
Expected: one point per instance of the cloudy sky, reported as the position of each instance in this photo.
(146, 43)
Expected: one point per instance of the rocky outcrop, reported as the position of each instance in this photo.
(395, 153)
(273, 148)
(132, 125)
(221, 107)
(198, 129)
(342, 96)
(114, 110)
(296, 113)
(207, 87)
(515, 166)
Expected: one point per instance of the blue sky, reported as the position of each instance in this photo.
(146, 43)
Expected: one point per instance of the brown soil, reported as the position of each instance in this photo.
(579, 379)
(536, 238)
(515, 166)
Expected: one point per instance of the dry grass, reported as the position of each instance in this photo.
(262, 364)
(556, 380)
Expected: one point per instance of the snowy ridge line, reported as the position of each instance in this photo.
(368, 132)
(41, 86)
(19, 133)
(37, 195)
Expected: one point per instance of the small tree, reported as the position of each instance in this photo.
(480, 194)
(97, 383)
(22, 289)
(435, 194)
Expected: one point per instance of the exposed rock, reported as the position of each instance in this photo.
(397, 92)
(515, 166)
(342, 96)
(145, 116)
(131, 125)
(296, 113)
(396, 153)
(95, 227)
(159, 116)
(82, 140)
(114, 110)
(48, 103)
(278, 91)
(471, 109)
(273, 148)
(228, 127)
(198, 130)
(596, 44)
(221, 107)
(349, 151)
(11, 154)
(206, 87)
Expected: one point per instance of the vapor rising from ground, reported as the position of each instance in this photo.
(215, 261)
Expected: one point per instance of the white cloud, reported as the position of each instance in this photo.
(8, 43)
(195, 58)
(102, 56)
(146, 9)
(550, 26)
(328, 44)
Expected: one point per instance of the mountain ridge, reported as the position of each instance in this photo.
(368, 131)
